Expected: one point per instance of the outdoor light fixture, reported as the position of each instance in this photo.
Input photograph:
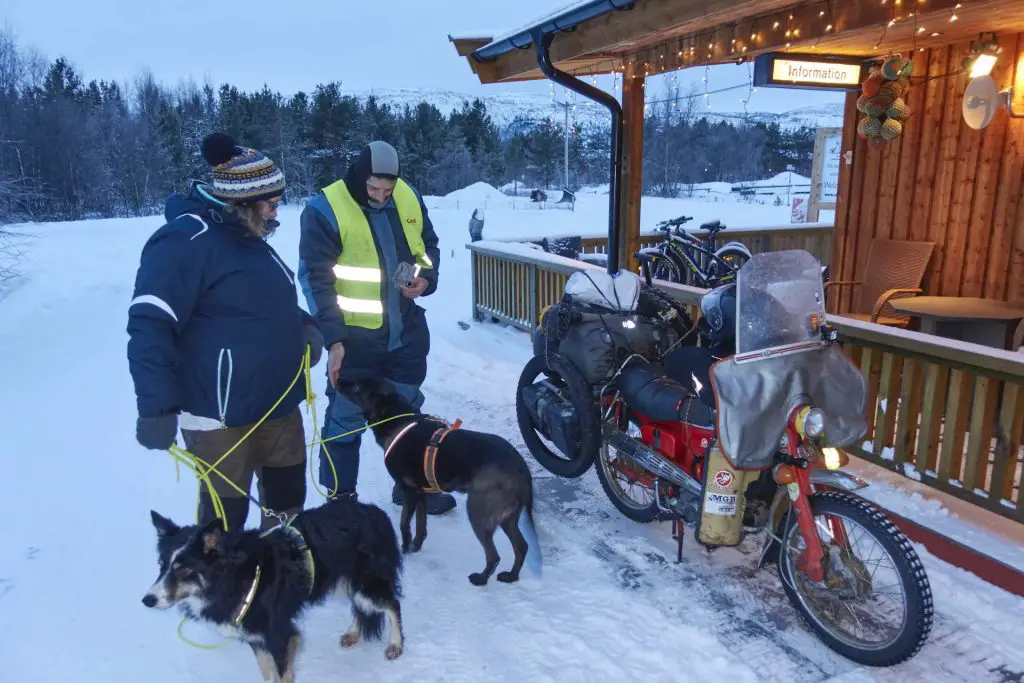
(983, 56)
(982, 65)
(982, 98)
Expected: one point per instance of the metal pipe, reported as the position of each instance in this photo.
(543, 43)
(565, 136)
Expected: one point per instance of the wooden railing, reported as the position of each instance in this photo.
(814, 238)
(946, 413)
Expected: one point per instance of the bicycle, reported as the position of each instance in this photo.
(684, 258)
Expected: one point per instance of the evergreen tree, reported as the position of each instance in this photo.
(71, 148)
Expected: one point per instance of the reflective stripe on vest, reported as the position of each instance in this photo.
(358, 273)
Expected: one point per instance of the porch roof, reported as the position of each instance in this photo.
(646, 37)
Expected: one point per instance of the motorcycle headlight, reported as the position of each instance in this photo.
(814, 423)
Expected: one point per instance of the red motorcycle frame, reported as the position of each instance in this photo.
(802, 468)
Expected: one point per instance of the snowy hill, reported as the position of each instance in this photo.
(504, 107)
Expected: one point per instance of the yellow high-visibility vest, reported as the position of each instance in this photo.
(359, 273)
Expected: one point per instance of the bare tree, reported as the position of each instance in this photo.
(12, 193)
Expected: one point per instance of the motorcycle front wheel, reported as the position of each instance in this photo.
(863, 585)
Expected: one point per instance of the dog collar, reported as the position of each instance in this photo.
(243, 609)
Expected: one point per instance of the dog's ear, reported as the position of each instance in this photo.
(212, 536)
(164, 526)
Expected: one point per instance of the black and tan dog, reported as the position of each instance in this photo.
(422, 455)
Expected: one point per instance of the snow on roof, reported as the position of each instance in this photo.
(540, 20)
(473, 35)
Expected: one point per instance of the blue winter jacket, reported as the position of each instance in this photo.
(215, 328)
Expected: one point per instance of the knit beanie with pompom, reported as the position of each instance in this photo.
(241, 174)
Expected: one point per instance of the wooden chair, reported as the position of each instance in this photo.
(894, 269)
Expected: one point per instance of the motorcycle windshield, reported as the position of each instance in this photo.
(781, 362)
(779, 305)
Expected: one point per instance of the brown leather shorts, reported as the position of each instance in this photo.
(275, 443)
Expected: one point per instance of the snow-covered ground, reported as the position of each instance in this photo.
(77, 547)
(520, 218)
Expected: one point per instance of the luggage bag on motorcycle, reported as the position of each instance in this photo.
(599, 343)
(595, 326)
(576, 344)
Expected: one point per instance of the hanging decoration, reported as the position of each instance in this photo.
(883, 100)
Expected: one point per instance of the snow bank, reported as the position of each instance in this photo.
(480, 193)
(779, 179)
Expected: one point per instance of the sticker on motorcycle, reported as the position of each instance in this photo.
(724, 479)
(720, 504)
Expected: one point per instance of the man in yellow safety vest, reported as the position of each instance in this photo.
(357, 235)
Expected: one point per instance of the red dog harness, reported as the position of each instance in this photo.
(429, 453)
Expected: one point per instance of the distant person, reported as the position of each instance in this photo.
(357, 234)
(217, 335)
(476, 225)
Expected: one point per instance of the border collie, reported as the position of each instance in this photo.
(253, 586)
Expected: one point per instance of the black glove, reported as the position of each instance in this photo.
(157, 433)
(316, 343)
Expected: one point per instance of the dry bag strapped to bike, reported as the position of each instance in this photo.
(596, 326)
(580, 345)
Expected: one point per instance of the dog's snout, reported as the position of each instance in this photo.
(149, 600)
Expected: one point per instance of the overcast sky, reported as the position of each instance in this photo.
(293, 45)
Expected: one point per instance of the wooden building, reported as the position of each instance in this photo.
(949, 412)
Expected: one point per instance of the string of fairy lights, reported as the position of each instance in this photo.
(805, 26)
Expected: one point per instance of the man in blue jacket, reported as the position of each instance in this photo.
(358, 234)
(217, 335)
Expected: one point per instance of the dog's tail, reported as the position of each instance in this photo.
(534, 558)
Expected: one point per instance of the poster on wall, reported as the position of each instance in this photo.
(828, 147)
(798, 211)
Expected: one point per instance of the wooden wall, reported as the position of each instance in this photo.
(940, 181)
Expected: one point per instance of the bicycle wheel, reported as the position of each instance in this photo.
(665, 267)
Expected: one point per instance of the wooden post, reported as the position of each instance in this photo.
(632, 170)
(531, 297)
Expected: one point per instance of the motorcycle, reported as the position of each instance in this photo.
(742, 433)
